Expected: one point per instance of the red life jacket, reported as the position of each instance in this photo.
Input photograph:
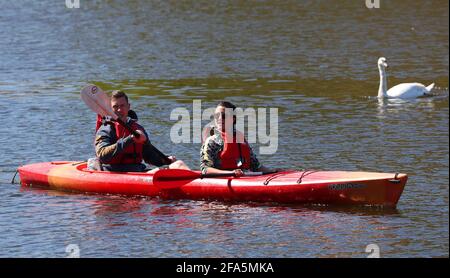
(99, 122)
(132, 154)
(233, 152)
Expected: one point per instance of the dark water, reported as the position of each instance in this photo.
(313, 60)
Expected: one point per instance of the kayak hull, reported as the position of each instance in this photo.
(299, 187)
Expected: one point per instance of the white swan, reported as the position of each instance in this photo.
(404, 90)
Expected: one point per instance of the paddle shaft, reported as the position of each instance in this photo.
(167, 161)
(128, 127)
(211, 175)
(248, 174)
(193, 177)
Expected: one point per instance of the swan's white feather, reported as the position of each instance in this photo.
(404, 90)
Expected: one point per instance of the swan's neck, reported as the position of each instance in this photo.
(383, 84)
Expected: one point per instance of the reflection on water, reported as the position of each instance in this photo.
(396, 105)
(196, 228)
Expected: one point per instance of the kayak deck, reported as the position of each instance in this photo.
(320, 187)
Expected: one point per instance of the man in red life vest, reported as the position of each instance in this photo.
(227, 151)
(119, 150)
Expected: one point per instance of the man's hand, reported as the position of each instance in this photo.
(172, 158)
(142, 138)
(238, 173)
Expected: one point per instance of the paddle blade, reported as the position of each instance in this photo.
(97, 100)
(173, 178)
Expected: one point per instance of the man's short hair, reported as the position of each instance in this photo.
(118, 94)
(227, 104)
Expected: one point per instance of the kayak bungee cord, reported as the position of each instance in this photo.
(299, 181)
(276, 175)
(12, 181)
(306, 173)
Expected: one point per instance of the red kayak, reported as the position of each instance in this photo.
(317, 187)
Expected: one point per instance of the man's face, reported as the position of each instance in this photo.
(120, 106)
(224, 118)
